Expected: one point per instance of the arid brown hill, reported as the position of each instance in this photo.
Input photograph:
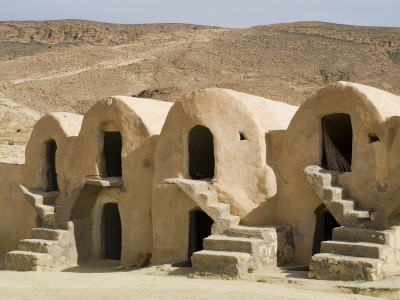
(66, 65)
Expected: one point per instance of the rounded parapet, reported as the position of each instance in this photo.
(47, 151)
(368, 177)
(134, 119)
(235, 128)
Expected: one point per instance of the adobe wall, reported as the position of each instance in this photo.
(139, 121)
(242, 176)
(59, 127)
(301, 146)
(260, 176)
(63, 128)
(17, 217)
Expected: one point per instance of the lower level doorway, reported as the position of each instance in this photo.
(112, 232)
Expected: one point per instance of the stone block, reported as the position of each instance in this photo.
(232, 264)
(26, 261)
(47, 234)
(352, 234)
(36, 245)
(340, 267)
(357, 249)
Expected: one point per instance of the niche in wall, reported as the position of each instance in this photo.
(201, 153)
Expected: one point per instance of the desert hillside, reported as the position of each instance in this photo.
(67, 65)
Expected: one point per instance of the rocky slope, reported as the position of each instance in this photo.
(67, 65)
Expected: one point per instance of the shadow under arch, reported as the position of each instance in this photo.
(90, 233)
(324, 225)
(199, 228)
(81, 218)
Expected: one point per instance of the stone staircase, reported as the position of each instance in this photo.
(48, 249)
(357, 251)
(344, 210)
(51, 248)
(358, 254)
(43, 202)
(207, 200)
(240, 248)
(232, 249)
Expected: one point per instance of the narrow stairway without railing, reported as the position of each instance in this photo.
(355, 252)
(51, 246)
(344, 210)
(232, 249)
(48, 249)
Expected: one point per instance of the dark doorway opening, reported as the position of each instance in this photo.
(324, 225)
(337, 142)
(50, 149)
(199, 228)
(201, 153)
(112, 154)
(112, 232)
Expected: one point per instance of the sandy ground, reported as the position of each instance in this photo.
(68, 65)
(167, 282)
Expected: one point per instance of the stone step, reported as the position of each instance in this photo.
(230, 220)
(47, 233)
(49, 220)
(232, 244)
(47, 209)
(333, 193)
(230, 264)
(36, 245)
(328, 177)
(342, 205)
(358, 249)
(329, 266)
(354, 234)
(359, 214)
(221, 209)
(252, 232)
(26, 261)
(189, 185)
(208, 197)
(50, 197)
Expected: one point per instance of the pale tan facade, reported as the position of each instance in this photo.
(221, 178)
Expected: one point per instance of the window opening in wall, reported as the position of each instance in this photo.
(111, 232)
(324, 225)
(199, 228)
(372, 138)
(50, 149)
(201, 153)
(242, 136)
(112, 153)
(337, 142)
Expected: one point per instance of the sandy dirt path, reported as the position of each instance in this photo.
(137, 285)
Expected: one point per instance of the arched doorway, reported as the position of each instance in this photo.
(111, 232)
(199, 228)
(201, 153)
(112, 147)
(49, 174)
(337, 142)
(324, 225)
